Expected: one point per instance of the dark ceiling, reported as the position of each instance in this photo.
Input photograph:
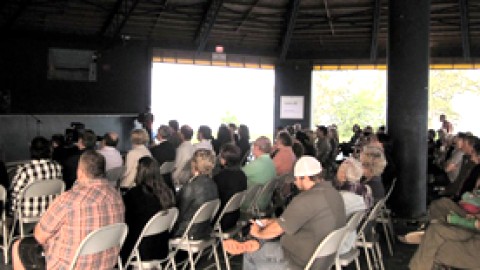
(285, 29)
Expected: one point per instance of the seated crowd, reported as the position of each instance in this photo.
(323, 192)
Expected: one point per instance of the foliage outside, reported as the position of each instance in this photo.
(353, 97)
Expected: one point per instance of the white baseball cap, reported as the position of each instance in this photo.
(307, 166)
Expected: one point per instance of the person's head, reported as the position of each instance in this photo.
(149, 178)
(224, 134)
(468, 144)
(204, 133)
(381, 130)
(58, 140)
(230, 155)
(333, 133)
(40, 148)
(173, 124)
(373, 161)
(355, 128)
(91, 166)
(460, 139)
(283, 139)
(203, 162)
(307, 172)
(431, 134)
(186, 133)
(350, 170)
(262, 145)
(443, 117)
(139, 137)
(298, 149)
(322, 132)
(243, 132)
(232, 127)
(163, 132)
(476, 150)
(110, 139)
(87, 140)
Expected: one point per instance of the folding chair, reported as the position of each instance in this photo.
(372, 243)
(48, 189)
(327, 249)
(101, 239)
(114, 175)
(3, 224)
(232, 205)
(385, 219)
(159, 223)
(205, 213)
(263, 201)
(167, 167)
(247, 204)
(352, 255)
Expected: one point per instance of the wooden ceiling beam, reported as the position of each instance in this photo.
(287, 36)
(375, 29)
(465, 29)
(208, 20)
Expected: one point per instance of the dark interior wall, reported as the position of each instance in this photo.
(122, 86)
(293, 79)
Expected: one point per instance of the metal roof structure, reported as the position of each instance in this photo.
(324, 31)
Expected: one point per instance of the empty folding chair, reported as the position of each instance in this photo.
(160, 222)
(384, 217)
(353, 254)
(100, 240)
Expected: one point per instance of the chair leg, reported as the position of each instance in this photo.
(379, 253)
(215, 254)
(225, 256)
(338, 266)
(192, 262)
(392, 231)
(357, 263)
(387, 237)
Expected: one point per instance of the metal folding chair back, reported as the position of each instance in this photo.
(351, 228)
(167, 167)
(3, 224)
(328, 248)
(114, 175)
(101, 239)
(160, 222)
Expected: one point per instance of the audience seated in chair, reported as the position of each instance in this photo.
(230, 180)
(40, 168)
(112, 156)
(149, 196)
(139, 138)
(198, 190)
(224, 136)
(284, 158)
(204, 137)
(164, 150)
(174, 138)
(262, 169)
(90, 204)
(373, 162)
(308, 219)
(86, 141)
(182, 171)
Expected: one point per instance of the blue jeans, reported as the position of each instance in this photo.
(268, 257)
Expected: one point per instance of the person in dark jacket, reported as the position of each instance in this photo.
(149, 196)
(230, 180)
(197, 191)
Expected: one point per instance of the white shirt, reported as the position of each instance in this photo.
(204, 144)
(184, 154)
(353, 203)
(131, 164)
(112, 157)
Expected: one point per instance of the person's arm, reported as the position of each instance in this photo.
(51, 220)
(271, 230)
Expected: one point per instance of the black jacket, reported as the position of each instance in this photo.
(196, 192)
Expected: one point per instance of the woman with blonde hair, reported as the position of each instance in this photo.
(197, 191)
(373, 163)
(139, 138)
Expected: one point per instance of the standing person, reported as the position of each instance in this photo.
(91, 204)
(204, 136)
(112, 156)
(244, 142)
(40, 168)
(197, 191)
(323, 146)
(308, 219)
(230, 180)
(146, 119)
(149, 196)
(224, 136)
(446, 125)
(139, 139)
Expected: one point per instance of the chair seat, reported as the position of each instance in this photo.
(348, 257)
(195, 245)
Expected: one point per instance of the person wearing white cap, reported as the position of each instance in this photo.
(308, 219)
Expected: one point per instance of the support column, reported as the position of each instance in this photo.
(407, 105)
(293, 79)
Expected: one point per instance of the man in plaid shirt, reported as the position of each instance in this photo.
(40, 168)
(92, 203)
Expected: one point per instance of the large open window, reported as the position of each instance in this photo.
(207, 95)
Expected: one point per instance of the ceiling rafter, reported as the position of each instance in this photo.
(329, 17)
(157, 19)
(465, 29)
(118, 17)
(20, 9)
(294, 6)
(247, 15)
(375, 29)
(208, 20)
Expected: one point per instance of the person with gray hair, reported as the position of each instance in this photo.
(139, 138)
(164, 150)
(262, 169)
